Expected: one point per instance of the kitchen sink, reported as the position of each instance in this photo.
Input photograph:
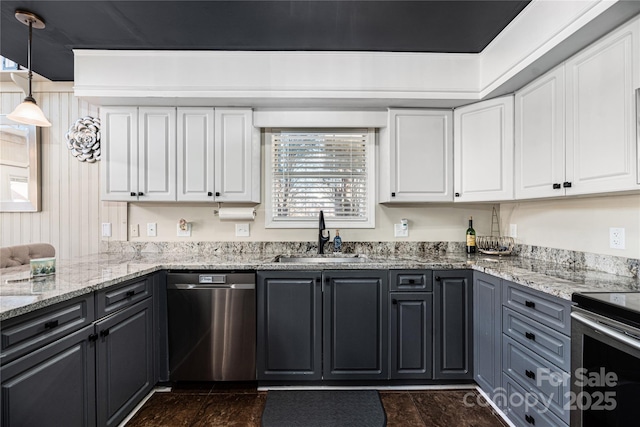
(321, 259)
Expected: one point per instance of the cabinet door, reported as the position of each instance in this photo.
(289, 320)
(601, 115)
(195, 154)
(237, 156)
(483, 151)
(453, 335)
(411, 338)
(119, 148)
(124, 361)
(420, 157)
(355, 344)
(487, 332)
(52, 386)
(157, 154)
(539, 137)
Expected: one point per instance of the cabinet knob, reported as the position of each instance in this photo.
(51, 324)
(209, 193)
(566, 184)
(412, 281)
(217, 193)
(556, 186)
(393, 194)
(140, 193)
(93, 337)
(530, 419)
(130, 293)
(530, 304)
(104, 332)
(133, 194)
(437, 278)
(457, 194)
(530, 336)
(530, 374)
(394, 301)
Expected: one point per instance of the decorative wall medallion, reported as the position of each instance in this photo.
(83, 139)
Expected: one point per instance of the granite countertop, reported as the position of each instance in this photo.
(19, 295)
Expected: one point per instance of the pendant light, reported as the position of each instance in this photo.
(28, 112)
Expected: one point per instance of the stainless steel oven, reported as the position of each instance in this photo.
(605, 359)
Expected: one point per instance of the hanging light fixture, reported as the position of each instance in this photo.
(28, 112)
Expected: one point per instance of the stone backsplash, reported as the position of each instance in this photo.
(627, 267)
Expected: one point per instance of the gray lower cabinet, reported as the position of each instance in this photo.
(316, 325)
(453, 333)
(289, 313)
(411, 324)
(83, 362)
(124, 361)
(535, 356)
(487, 332)
(53, 385)
(355, 319)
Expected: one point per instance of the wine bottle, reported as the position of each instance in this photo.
(471, 238)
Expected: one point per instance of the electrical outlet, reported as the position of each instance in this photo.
(513, 230)
(152, 229)
(616, 238)
(242, 230)
(399, 230)
(183, 233)
(106, 229)
(134, 231)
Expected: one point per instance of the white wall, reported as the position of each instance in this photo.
(71, 209)
(580, 224)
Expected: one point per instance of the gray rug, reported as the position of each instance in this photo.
(315, 408)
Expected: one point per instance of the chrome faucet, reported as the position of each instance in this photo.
(321, 238)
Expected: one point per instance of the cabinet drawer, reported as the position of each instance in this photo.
(540, 378)
(36, 329)
(543, 340)
(547, 309)
(524, 410)
(411, 280)
(120, 296)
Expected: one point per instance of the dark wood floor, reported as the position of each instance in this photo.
(241, 405)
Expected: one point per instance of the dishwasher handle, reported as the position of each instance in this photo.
(196, 286)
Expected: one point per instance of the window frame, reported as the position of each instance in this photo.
(369, 222)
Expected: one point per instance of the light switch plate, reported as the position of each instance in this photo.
(134, 231)
(400, 231)
(106, 229)
(242, 230)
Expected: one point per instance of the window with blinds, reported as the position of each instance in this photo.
(328, 170)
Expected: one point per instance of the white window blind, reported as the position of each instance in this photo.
(326, 170)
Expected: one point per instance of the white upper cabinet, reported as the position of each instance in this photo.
(483, 151)
(139, 153)
(195, 154)
(236, 156)
(601, 115)
(540, 137)
(416, 157)
(576, 125)
(157, 154)
(119, 149)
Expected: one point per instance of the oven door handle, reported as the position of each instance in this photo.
(612, 333)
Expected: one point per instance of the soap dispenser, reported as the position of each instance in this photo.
(337, 242)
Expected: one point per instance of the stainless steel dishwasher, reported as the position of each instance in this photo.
(212, 326)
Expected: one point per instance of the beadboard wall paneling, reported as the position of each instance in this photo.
(71, 210)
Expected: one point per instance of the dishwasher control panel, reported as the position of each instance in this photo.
(212, 278)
